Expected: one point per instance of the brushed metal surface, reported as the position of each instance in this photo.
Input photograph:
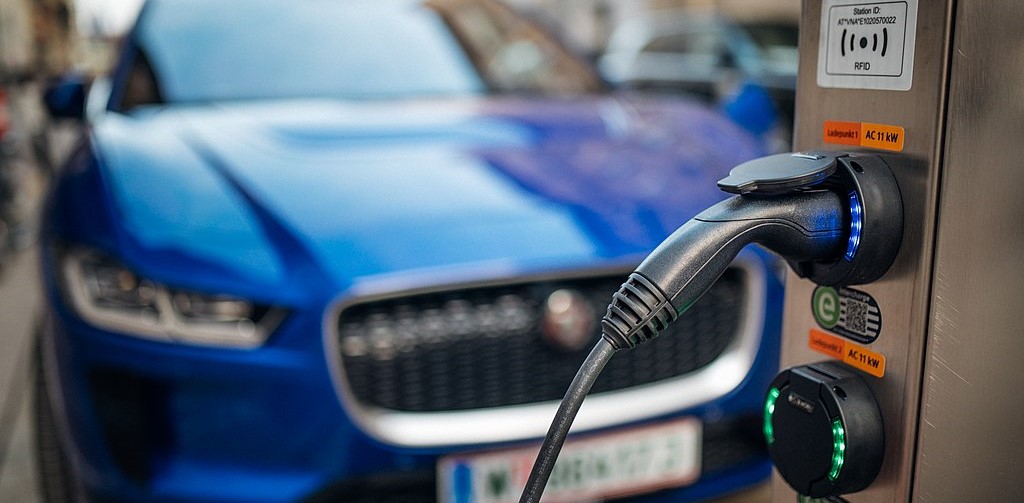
(903, 294)
(971, 416)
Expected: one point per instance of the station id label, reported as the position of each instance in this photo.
(867, 45)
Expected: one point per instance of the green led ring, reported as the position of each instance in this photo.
(838, 449)
(769, 411)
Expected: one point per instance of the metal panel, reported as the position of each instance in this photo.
(971, 414)
(903, 294)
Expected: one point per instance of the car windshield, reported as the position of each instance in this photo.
(201, 50)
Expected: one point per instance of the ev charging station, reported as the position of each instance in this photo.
(935, 88)
(900, 219)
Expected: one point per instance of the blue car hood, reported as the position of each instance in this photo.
(265, 192)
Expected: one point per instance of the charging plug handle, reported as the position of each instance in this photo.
(800, 226)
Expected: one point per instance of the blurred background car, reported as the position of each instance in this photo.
(706, 54)
(15, 170)
(34, 41)
(355, 251)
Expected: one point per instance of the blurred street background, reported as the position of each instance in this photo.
(19, 292)
(43, 39)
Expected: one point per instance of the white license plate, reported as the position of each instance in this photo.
(589, 468)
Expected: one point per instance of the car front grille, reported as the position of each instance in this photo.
(482, 347)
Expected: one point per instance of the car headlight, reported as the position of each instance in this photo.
(109, 295)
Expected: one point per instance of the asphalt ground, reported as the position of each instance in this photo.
(19, 300)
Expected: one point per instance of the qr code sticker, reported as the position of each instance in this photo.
(855, 314)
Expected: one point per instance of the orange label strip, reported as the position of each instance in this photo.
(864, 134)
(849, 353)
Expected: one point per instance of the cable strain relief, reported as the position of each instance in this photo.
(639, 311)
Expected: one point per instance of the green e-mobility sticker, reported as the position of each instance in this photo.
(850, 313)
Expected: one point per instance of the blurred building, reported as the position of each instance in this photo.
(54, 35)
(15, 37)
(37, 37)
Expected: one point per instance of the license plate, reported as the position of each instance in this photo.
(589, 468)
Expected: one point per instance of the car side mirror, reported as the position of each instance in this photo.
(752, 107)
(65, 98)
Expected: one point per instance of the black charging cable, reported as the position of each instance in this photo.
(567, 410)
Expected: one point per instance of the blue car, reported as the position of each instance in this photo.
(355, 251)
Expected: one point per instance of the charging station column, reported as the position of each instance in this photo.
(935, 88)
(873, 78)
(968, 448)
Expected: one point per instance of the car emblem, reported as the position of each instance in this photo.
(568, 320)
